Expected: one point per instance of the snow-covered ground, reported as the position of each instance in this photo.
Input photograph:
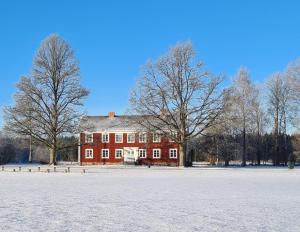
(155, 199)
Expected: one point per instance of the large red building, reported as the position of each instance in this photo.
(119, 139)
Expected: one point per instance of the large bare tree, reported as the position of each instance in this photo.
(243, 103)
(180, 98)
(280, 107)
(47, 102)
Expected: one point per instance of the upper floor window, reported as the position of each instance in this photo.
(119, 153)
(156, 153)
(156, 138)
(143, 137)
(130, 138)
(173, 153)
(89, 153)
(119, 138)
(172, 137)
(105, 138)
(105, 153)
(142, 153)
(89, 138)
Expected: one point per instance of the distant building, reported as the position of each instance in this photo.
(119, 139)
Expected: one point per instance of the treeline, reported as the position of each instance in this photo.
(17, 150)
(226, 150)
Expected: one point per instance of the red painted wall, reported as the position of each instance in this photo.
(97, 146)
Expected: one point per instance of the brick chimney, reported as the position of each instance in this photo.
(111, 115)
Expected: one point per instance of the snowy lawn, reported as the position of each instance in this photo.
(155, 199)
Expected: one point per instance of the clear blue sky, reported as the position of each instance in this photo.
(112, 39)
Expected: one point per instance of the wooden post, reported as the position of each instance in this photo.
(83, 171)
(14, 170)
(68, 169)
(2, 168)
(29, 170)
(54, 169)
(48, 170)
(20, 169)
(39, 169)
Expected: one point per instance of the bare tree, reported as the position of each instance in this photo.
(260, 123)
(293, 79)
(242, 99)
(47, 103)
(280, 107)
(179, 97)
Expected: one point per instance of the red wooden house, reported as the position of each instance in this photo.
(119, 139)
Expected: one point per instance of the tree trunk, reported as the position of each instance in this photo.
(258, 151)
(244, 148)
(30, 150)
(52, 159)
(182, 155)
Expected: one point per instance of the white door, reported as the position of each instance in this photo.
(130, 154)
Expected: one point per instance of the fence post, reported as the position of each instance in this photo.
(29, 170)
(48, 170)
(68, 169)
(39, 169)
(2, 168)
(54, 169)
(20, 169)
(83, 171)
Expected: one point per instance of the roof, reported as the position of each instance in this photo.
(112, 124)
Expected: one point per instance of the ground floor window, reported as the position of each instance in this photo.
(89, 154)
(105, 154)
(119, 153)
(143, 153)
(173, 153)
(156, 153)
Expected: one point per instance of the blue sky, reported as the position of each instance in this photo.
(112, 39)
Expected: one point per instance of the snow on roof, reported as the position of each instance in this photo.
(115, 123)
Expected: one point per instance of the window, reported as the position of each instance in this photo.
(172, 136)
(156, 138)
(143, 137)
(119, 138)
(89, 138)
(105, 154)
(119, 153)
(156, 153)
(105, 138)
(89, 153)
(142, 153)
(173, 153)
(130, 138)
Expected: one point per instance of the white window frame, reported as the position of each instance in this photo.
(153, 153)
(89, 156)
(174, 134)
(102, 140)
(86, 137)
(102, 156)
(172, 156)
(116, 151)
(143, 134)
(156, 141)
(117, 134)
(133, 137)
(144, 155)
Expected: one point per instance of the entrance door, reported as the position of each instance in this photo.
(130, 154)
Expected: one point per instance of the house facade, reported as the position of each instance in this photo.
(119, 139)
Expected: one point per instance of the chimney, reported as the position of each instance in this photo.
(111, 115)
